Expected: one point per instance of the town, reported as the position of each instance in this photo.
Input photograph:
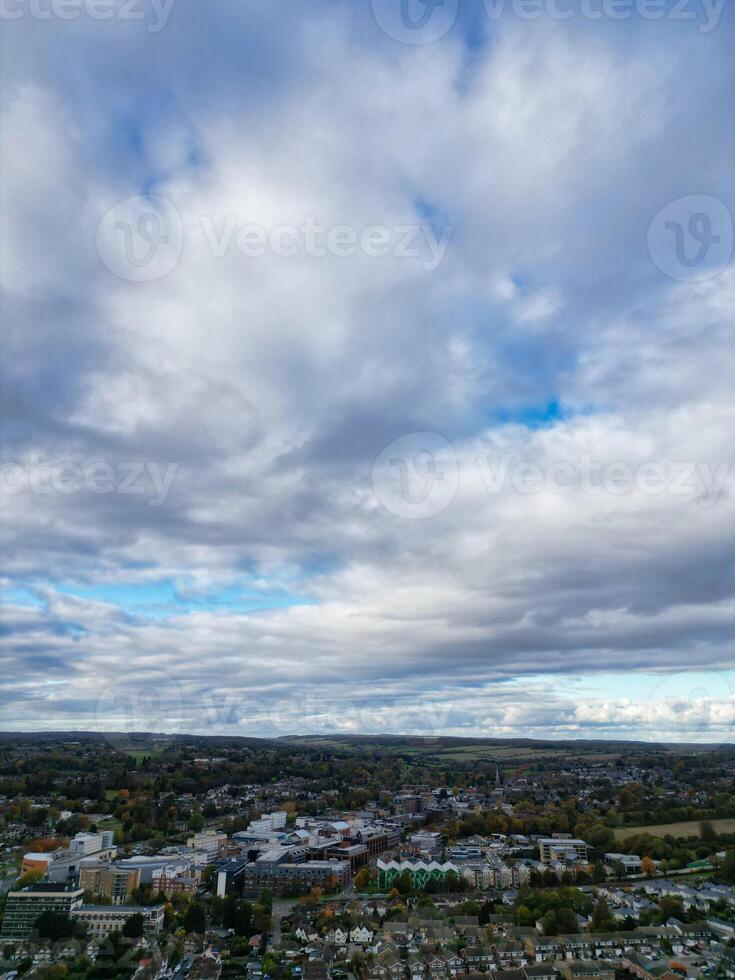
(365, 859)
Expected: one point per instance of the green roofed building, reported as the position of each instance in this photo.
(421, 872)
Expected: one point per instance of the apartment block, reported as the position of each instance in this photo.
(109, 881)
(285, 878)
(175, 885)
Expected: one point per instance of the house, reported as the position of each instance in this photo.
(463, 922)
(315, 970)
(547, 948)
(692, 931)
(398, 932)
(436, 967)
(606, 944)
(541, 971)
(388, 966)
(509, 975)
(577, 946)
(511, 953)
(588, 970)
(479, 957)
(455, 964)
(415, 967)
(208, 966)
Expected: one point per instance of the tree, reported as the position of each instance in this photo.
(602, 917)
(243, 919)
(54, 926)
(566, 920)
(486, 910)
(134, 926)
(194, 919)
(549, 924)
(648, 867)
(728, 867)
(362, 879)
(672, 907)
(707, 832)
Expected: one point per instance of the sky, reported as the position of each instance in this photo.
(367, 367)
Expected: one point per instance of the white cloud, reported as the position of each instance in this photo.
(274, 383)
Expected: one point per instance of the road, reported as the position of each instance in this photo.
(281, 908)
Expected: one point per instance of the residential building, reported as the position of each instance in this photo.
(285, 878)
(110, 881)
(420, 871)
(175, 885)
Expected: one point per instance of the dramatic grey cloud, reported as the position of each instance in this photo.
(386, 402)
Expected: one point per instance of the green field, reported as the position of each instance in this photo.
(436, 751)
(688, 828)
(468, 753)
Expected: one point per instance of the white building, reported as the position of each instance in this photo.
(83, 844)
(268, 822)
(210, 843)
(101, 920)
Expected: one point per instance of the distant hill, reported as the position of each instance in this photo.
(445, 746)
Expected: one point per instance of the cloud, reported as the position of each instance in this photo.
(592, 538)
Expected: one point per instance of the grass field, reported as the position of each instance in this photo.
(688, 828)
(469, 753)
(433, 752)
